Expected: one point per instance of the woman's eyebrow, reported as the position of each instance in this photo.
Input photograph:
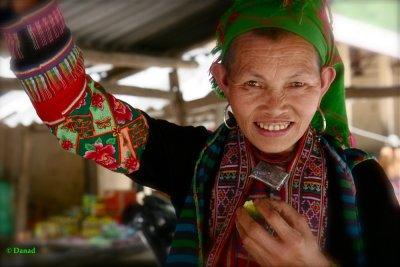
(300, 73)
(255, 74)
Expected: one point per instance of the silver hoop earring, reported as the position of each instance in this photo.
(323, 120)
(227, 117)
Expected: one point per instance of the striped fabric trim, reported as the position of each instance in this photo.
(44, 26)
(27, 71)
(13, 44)
(48, 83)
(350, 210)
(190, 222)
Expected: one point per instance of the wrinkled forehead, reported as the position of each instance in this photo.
(286, 49)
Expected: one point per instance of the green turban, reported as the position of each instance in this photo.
(309, 19)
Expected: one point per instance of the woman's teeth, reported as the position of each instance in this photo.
(273, 126)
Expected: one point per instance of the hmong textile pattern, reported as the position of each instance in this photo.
(229, 191)
(308, 185)
(55, 85)
(85, 119)
(44, 84)
(83, 116)
(303, 191)
(348, 193)
(187, 245)
(44, 26)
(104, 129)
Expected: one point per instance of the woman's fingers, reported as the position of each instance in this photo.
(275, 220)
(252, 230)
(292, 217)
(258, 253)
(295, 247)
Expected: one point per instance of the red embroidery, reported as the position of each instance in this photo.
(103, 155)
(121, 112)
(66, 144)
(97, 101)
(102, 124)
(131, 164)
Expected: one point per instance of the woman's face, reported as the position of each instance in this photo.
(274, 88)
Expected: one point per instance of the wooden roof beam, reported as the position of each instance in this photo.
(372, 92)
(13, 84)
(139, 61)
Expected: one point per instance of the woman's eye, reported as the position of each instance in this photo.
(252, 84)
(297, 84)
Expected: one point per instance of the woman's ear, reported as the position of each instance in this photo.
(220, 74)
(328, 75)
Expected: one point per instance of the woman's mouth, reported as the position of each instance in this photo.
(273, 129)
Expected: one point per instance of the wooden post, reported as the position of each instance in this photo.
(22, 185)
(385, 78)
(344, 51)
(177, 101)
(90, 186)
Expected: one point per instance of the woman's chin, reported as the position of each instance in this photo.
(274, 148)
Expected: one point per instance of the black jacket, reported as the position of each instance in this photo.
(168, 161)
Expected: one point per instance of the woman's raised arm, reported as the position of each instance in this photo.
(85, 118)
(79, 112)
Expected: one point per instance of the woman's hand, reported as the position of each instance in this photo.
(294, 245)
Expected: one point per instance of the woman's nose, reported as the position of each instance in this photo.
(273, 98)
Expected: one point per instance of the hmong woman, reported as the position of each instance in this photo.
(285, 144)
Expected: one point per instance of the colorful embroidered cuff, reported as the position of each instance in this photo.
(55, 85)
(44, 27)
(104, 129)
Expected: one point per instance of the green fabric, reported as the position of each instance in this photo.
(306, 18)
(6, 210)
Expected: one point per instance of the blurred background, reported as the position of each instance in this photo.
(155, 55)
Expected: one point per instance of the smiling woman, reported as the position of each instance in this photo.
(274, 86)
(286, 146)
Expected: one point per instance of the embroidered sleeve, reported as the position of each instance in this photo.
(78, 111)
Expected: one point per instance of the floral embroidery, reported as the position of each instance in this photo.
(85, 118)
(122, 113)
(131, 163)
(102, 154)
(116, 131)
(97, 101)
(95, 124)
(66, 144)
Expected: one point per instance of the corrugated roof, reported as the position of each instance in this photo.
(155, 27)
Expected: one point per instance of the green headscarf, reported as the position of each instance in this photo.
(306, 18)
